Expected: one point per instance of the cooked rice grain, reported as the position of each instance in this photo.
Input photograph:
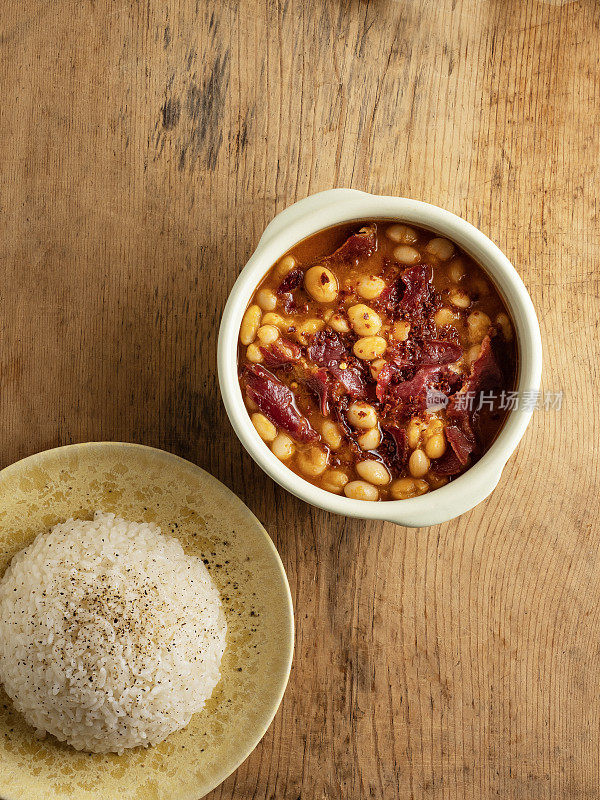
(110, 636)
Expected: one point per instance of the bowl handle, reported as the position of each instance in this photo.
(297, 210)
(442, 511)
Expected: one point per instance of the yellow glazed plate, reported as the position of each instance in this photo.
(144, 484)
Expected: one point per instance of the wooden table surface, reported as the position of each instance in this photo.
(143, 148)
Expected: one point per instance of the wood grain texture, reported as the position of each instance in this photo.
(143, 148)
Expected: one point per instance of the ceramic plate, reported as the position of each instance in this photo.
(144, 484)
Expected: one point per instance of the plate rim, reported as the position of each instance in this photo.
(268, 717)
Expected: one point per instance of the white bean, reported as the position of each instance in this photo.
(435, 446)
(413, 432)
(478, 324)
(406, 255)
(369, 440)
(361, 490)
(459, 298)
(472, 354)
(264, 427)
(444, 316)
(403, 488)
(362, 415)
(402, 234)
(456, 270)
(308, 328)
(434, 427)
(321, 284)
(266, 299)
(364, 320)
(418, 464)
(374, 472)
(503, 321)
(283, 447)
(253, 353)
(286, 265)
(334, 480)
(369, 347)
(401, 330)
(376, 367)
(331, 434)
(275, 319)
(313, 461)
(339, 323)
(250, 323)
(370, 287)
(267, 334)
(440, 248)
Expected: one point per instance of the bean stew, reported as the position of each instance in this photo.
(374, 358)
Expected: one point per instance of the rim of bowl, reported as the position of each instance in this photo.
(270, 712)
(316, 213)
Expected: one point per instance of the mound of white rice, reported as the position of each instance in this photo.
(110, 636)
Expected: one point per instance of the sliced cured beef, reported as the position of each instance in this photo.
(277, 403)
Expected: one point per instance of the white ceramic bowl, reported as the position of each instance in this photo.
(336, 206)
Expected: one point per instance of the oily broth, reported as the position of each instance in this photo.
(457, 273)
